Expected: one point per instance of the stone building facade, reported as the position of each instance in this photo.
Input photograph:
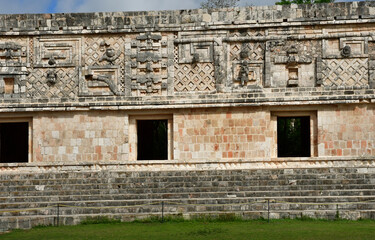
(221, 78)
(196, 89)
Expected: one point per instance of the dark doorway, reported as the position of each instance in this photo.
(293, 137)
(14, 142)
(152, 139)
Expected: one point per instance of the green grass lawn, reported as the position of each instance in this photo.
(277, 229)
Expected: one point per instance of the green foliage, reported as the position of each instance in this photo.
(276, 229)
(288, 2)
(99, 220)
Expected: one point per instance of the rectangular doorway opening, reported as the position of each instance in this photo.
(152, 139)
(293, 136)
(14, 142)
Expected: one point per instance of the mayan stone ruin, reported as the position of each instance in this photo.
(219, 106)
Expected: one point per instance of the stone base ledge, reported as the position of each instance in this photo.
(175, 165)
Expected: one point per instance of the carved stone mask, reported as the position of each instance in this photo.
(51, 77)
(110, 52)
(346, 51)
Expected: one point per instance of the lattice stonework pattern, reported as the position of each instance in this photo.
(197, 77)
(65, 86)
(345, 72)
(255, 51)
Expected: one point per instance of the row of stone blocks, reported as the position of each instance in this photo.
(29, 199)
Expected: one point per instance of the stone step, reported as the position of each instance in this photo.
(159, 180)
(194, 205)
(113, 190)
(119, 196)
(261, 173)
(190, 183)
(182, 186)
(201, 201)
(26, 222)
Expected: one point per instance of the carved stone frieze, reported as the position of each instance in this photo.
(57, 52)
(11, 53)
(13, 66)
(148, 60)
(105, 66)
(292, 63)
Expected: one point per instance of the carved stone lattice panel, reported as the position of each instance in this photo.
(13, 51)
(57, 52)
(38, 84)
(148, 57)
(250, 51)
(100, 80)
(345, 72)
(194, 77)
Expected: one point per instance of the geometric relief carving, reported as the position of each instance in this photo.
(148, 63)
(40, 85)
(194, 77)
(105, 71)
(195, 52)
(345, 72)
(57, 52)
(100, 80)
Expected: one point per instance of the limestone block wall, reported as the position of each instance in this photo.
(222, 133)
(347, 131)
(208, 134)
(80, 137)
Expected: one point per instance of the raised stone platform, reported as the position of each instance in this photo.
(30, 199)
